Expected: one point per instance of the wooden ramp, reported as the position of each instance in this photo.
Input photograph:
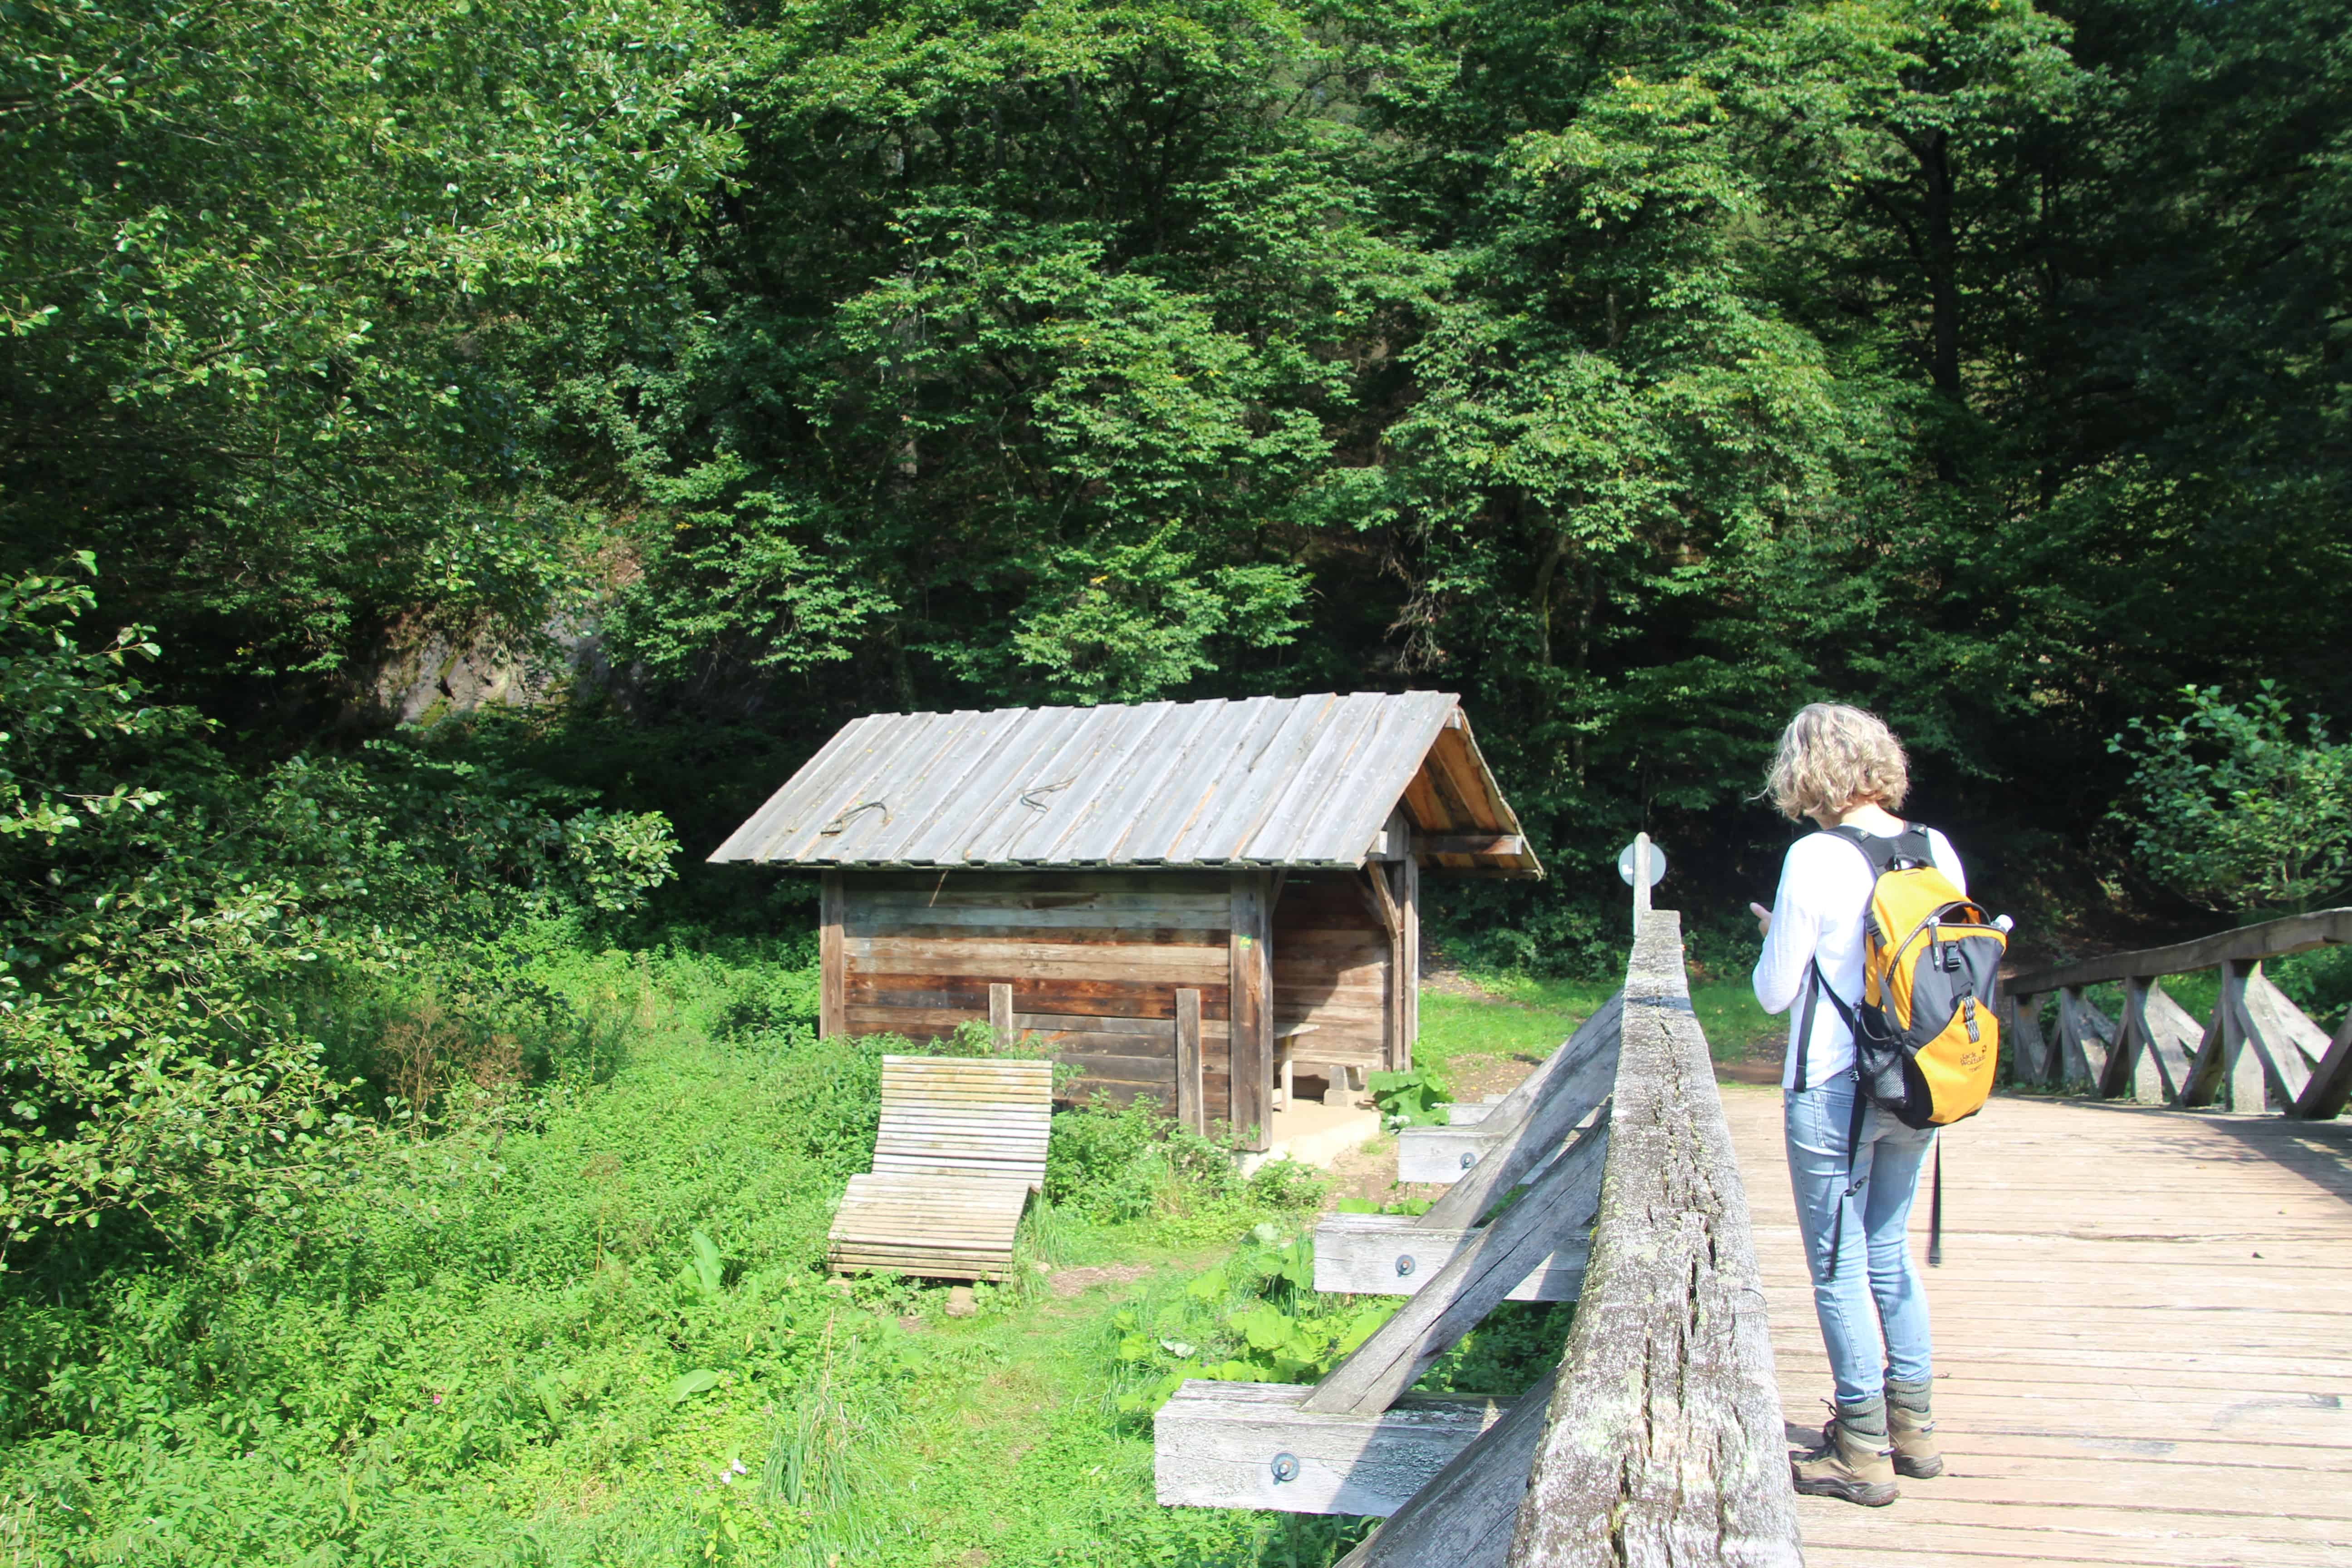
(2143, 1341)
(960, 1146)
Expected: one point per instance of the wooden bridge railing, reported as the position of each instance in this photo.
(1658, 1437)
(2256, 1052)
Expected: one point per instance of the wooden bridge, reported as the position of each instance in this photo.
(2143, 1319)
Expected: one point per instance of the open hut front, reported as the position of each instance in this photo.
(1168, 896)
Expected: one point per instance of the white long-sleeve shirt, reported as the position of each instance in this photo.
(1818, 915)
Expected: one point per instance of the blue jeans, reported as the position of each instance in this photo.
(1873, 1312)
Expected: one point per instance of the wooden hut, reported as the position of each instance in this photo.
(1171, 897)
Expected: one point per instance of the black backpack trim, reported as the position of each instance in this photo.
(1910, 847)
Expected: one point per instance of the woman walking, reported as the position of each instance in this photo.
(1843, 768)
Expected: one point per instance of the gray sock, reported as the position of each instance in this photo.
(1912, 1396)
(1864, 1417)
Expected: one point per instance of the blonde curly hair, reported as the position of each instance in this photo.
(1832, 756)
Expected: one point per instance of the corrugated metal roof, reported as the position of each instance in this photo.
(1300, 781)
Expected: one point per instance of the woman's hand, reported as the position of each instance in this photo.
(1763, 919)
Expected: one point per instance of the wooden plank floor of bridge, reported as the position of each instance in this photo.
(2143, 1341)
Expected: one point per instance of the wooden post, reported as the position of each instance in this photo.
(1581, 1074)
(2135, 1068)
(1664, 1442)
(833, 981)
(1464, 1516)
(2029, 1058)
(1249, 1027)
(1380, 893)
(1000, 1015)
(2083, 1033)
(1556, 1212)
(2331, 1081)
(2225, 1072)
(1192, 1111)
(1409, 905)
(2171, 1039)
(2243, 1070)
(2288, 1045)
(1640, 881)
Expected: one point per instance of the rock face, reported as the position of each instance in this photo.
(424, 676)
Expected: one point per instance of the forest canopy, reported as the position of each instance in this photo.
(1638, 370)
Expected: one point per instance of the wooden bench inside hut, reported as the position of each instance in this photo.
(1172, 898)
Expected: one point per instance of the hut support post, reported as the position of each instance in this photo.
(1251, 1025)
(833, 980)
(1192, 1109)
(1408, 974)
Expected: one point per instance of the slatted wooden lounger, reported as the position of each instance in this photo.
(961, 1147)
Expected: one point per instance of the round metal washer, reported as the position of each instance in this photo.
(1286, 1467)
(1404, 1264)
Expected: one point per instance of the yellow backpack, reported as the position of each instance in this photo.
(1924, 1042)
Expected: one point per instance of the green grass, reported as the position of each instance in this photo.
(590, 1324)
(594, 1327)
(1530, 1017)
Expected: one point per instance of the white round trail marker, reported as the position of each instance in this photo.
(1625, 865)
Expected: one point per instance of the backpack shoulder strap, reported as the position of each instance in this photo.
(1909, 847)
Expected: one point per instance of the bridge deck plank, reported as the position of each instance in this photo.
(2121, 1379)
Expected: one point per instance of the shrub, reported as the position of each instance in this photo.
(1409, 1098)
(2230, 810)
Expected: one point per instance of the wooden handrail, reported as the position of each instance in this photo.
(1670, 1357)
(2272, 939)
(1658, 1437)
(2257, 1052)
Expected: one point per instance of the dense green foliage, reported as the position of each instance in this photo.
(2232, 809)
(592, 1326)
(414, 1154)
(196, 953)
(1636, 370)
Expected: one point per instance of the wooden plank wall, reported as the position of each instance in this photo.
(1094, 961)
(1332, 960)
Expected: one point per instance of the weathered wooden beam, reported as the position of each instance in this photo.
(2331, 1081)
(1001, 1027)
(1663, 1442)
(1191, 1101)
(2169, 1032)
(2272, 939)
(1443, 1153)
(1380, 895)
(1391, 1254)
(1576, 1078)
(2028, 1055)
(1641, 879)
(1463, 1517)
(833, 978)
(1409, 979)
(1250, 958)
(1397, 1043)
(2287, 1044)
(1256, 1445)
(2085, 1036)
(1394, 841)
(2224, 1072)
(1470, 844)
(2130, 1070)
(1556, 1211)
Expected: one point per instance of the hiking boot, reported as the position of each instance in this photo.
(1854, 1461)
(1912, 1429)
